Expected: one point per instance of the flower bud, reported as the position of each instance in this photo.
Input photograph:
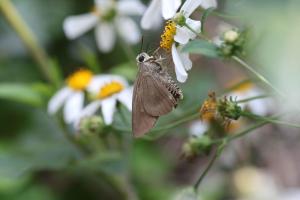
(195, 146)
(229, 109)
(231, 36)
(179, 19)
(91, 125)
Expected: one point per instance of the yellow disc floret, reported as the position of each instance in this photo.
(167, 38)
(79, 79)
(110, 89)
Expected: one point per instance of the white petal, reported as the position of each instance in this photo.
(185, 57)
(75, 26)
(128, 30)
(58, 99)
(198, 128)
(182, 35)
(152, 16)
(104, 5)
(209, 3)
(99, 81)
(108, 110)
(130, 7)
(105, 36)
(181, 74)
(169, 8)
(125, 97)
(73, 107)
(189, 6)
(89, 110)
(195, 25)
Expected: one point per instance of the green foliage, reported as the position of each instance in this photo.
(202, 47)
(20, 93)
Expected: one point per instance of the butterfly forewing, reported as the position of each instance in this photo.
(141, 121)
(156, 98)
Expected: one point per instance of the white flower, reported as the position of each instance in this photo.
(71, 96)
(108, 17)
(107, 90)
(167, 9)
(177, 33)
(158, 9)
(261, 106)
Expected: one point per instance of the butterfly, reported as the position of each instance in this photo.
(155, 94)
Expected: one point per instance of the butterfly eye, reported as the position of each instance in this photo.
(141, 58)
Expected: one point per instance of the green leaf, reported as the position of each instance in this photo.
(41, 145)
(21, 93)
(205, 14)
(202, 47)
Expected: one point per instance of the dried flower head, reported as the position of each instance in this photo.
(208, 110)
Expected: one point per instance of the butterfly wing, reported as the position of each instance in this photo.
(142, 122)
(156, 98)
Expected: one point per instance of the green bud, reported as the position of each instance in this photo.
(179, 19)
(231, 36)
(195, 146)
(229, 109)
(233, 43)
(91, 125)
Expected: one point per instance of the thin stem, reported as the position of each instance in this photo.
(169, 126)
(257, 74)
(210, 164)
(252, 98)
(196, 33)
(27, 36)
(274, 121)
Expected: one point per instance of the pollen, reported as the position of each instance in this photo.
(79, 79)
(110, 89)
(208, 109)
(167, 38)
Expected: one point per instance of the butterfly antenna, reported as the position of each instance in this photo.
(141, 49)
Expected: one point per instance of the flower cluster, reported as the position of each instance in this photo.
(100, 91)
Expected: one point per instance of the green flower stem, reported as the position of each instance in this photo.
(271, 120)
(27, 36)
(257, 74)
(244, 132)
(210, 164)
(253, 98)
(197, 33)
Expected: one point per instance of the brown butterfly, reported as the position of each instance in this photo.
(155, 94)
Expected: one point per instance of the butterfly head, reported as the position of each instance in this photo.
(143, 57)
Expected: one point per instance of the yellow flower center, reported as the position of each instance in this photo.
(110, 89)
(209, 108)
(167, 38)
(244, 87)
(79, 79)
